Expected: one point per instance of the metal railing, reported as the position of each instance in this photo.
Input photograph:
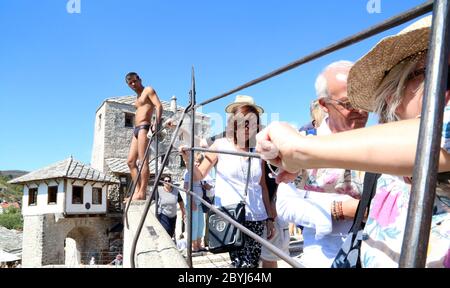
(417, 230)
(241, 227)
(424, 180)
(100, 257)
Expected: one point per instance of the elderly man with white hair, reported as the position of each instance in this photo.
(326, 217)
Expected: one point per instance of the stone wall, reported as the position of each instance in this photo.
(32, 243)
(43, 240)
(98, 153)
(117, 137)
(114, 199)
(155, 248)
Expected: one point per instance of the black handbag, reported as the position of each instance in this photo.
(222, 235)
(348, 255)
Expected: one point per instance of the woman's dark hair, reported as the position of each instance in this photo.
(232, 126)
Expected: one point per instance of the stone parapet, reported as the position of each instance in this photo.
(155, 248)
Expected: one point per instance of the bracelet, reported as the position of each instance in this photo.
(333, 211)
(341, 211)
(338, 212)
(271, 219)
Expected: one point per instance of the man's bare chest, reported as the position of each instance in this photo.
(142, 101)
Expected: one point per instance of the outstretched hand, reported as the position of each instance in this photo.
(276, 144)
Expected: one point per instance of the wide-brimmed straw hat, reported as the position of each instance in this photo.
(243, 100)
(368, 72)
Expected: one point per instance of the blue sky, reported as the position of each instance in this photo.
(56, 68)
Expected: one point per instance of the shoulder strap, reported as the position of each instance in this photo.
(248, 174)
(370, 186)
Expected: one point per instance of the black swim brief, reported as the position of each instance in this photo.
(138, 128)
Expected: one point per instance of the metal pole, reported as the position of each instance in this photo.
(387, 24)
(156, 171)
(417, 231)
(191, 174)
(243, 154)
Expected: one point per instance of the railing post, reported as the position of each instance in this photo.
(417, 230)
(156, 170)
(191, 173)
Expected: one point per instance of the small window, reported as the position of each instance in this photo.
(32, 196)
(52, 192)
(99, 122)
(77, 195)
(97, 196)
(129, 119)
(181, 161)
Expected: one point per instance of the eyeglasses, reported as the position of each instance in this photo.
(345, 104)
(247, 123)
(167, 180)
(422, 71)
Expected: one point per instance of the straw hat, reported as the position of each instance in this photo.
(243, 100)
(368, 72)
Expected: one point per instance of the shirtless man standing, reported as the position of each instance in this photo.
(146, 102)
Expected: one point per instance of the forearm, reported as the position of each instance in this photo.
(388, 148)
(198, 175)
(344, 210)
(183, 211)
(268, 206)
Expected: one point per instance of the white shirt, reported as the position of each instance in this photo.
(322, 237)
(231, 178)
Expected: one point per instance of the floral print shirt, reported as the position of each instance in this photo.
(384, 230)
(331, 180)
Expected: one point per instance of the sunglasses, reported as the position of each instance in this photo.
(344, 104)
(167, 180)
(422, 71)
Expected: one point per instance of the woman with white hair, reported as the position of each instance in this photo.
(390, 81)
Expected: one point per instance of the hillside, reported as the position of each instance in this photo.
(12, 173)
(8, 192)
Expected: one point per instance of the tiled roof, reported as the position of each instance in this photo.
(5, 205)
(119, 165)
(11, 241)
(68, 168)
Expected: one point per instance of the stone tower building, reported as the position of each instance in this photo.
(65, 214)
(72, 211)
(114, 121)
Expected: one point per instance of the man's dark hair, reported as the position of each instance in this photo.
(131, 74)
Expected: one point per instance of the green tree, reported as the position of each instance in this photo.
(11, 218)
